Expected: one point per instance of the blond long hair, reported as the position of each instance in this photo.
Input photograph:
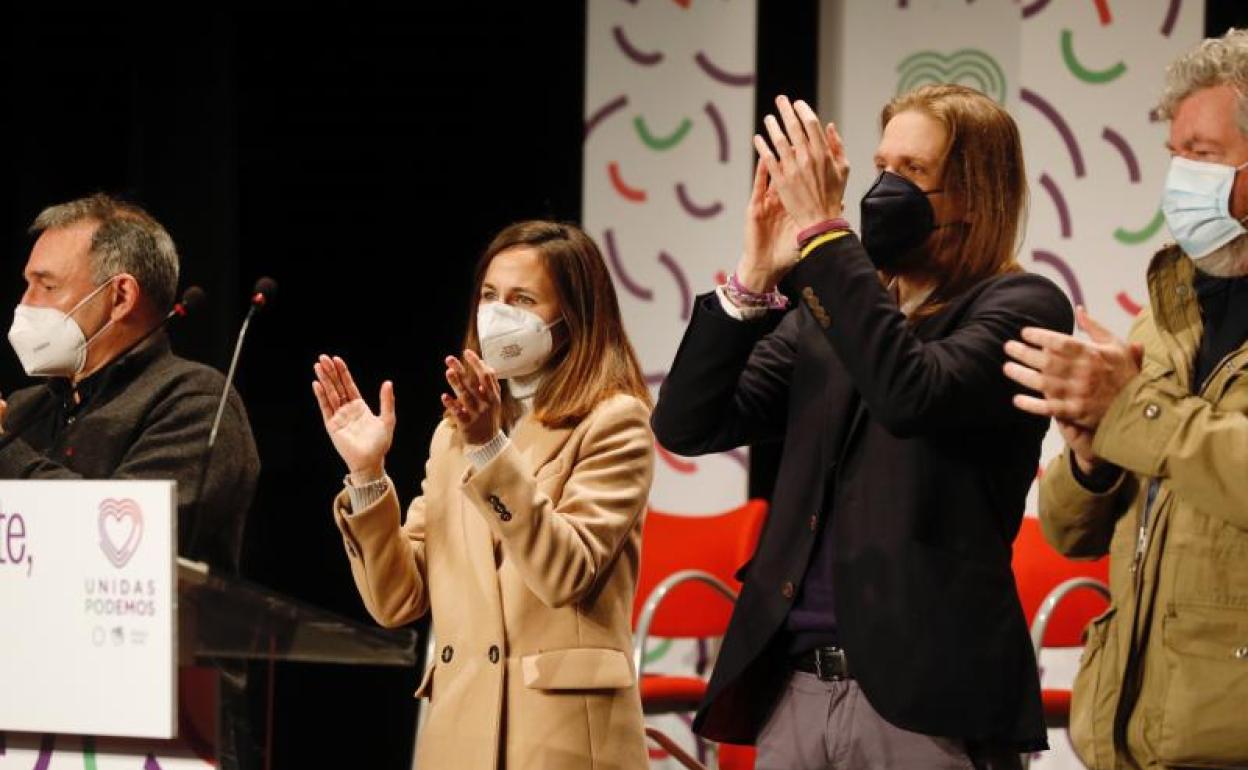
(597, 361)
(984, 171)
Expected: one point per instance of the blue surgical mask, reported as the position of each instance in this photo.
(1196, 203)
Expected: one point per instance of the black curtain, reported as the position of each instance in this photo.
(363, 159)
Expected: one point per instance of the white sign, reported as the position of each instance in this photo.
(88, 598)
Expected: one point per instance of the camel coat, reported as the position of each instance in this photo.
(529, 566)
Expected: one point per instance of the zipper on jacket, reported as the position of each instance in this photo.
(1141, 539)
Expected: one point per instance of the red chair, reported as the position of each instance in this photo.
(1050, 589)
(686, 589)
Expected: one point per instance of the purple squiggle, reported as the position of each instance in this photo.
(693, 209)
(721, 131)
(634, 53)
(1059, 202)
(1034, 8)
(1172, 15)
(1059, 123)
(720, 75)
(631, 286)
(1058, 264)
(604, 112)
(686, 298)
(1124, 149)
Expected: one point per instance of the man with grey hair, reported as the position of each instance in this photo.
(1156, 468)
(118, 404)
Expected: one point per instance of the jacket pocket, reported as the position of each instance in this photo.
(1204, 652)
(1095, 694)
(578, 668)
(425, 689)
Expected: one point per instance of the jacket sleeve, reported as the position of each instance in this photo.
(729, 383)
(562, 547)
(1077, 521)
(387, 557)
(1155, 428)
(912, 386)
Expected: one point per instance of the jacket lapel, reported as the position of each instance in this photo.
(536, 443)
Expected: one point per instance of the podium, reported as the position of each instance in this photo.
(106, 625)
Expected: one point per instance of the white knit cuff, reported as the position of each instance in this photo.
(480, 455)
(366, 494)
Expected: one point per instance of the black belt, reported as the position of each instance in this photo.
(827, 663)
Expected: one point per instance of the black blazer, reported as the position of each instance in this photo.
(905, 436)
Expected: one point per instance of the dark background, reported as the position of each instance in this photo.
(363, 158)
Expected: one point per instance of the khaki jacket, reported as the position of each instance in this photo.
(529, 567)
(1163, 680)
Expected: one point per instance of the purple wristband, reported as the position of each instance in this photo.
(826, 226)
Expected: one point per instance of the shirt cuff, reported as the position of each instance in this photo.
(739, 313)
(366, 494)
(481, 454)
(1100, 480)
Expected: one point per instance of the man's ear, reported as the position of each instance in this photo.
(127, 297)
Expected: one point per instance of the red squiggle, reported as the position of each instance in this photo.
(634, 194)
(676, 463)
(1102, 10)
(1126, 303)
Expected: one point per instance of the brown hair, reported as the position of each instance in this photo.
(984, 171)
(597, 360)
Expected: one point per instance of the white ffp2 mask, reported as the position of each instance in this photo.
(514, 342)
(50, 343)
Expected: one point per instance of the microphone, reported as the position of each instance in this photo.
(263, 291)
(193, 300)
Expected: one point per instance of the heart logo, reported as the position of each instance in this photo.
(968, 66)
(121, 529)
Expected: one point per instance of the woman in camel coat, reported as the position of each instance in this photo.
(525, 540)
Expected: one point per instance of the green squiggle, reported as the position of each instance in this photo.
(1136, 237)
(661, 143)
(1083, 73)
(656, 652)
(88, 753)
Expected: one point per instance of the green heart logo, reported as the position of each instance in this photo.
(968, 66)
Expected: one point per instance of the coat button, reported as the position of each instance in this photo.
(808, 292)
(505, 515)
(493, 500)
(447, 654)
(814, 523)
(494, 654)
(1151, 411)
(1242, 653)
(788, 589)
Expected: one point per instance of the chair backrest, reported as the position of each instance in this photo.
(734, 757)
(1038, 569)
(718, 544)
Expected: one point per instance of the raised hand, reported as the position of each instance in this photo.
(770, 237)
(361, 437)
(1077, 380)
(808, 168)
(477, 405)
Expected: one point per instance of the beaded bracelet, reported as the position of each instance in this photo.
(743, 297)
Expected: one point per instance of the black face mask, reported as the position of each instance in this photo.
(897, 219)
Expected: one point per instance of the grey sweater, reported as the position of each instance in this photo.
(145, 416)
